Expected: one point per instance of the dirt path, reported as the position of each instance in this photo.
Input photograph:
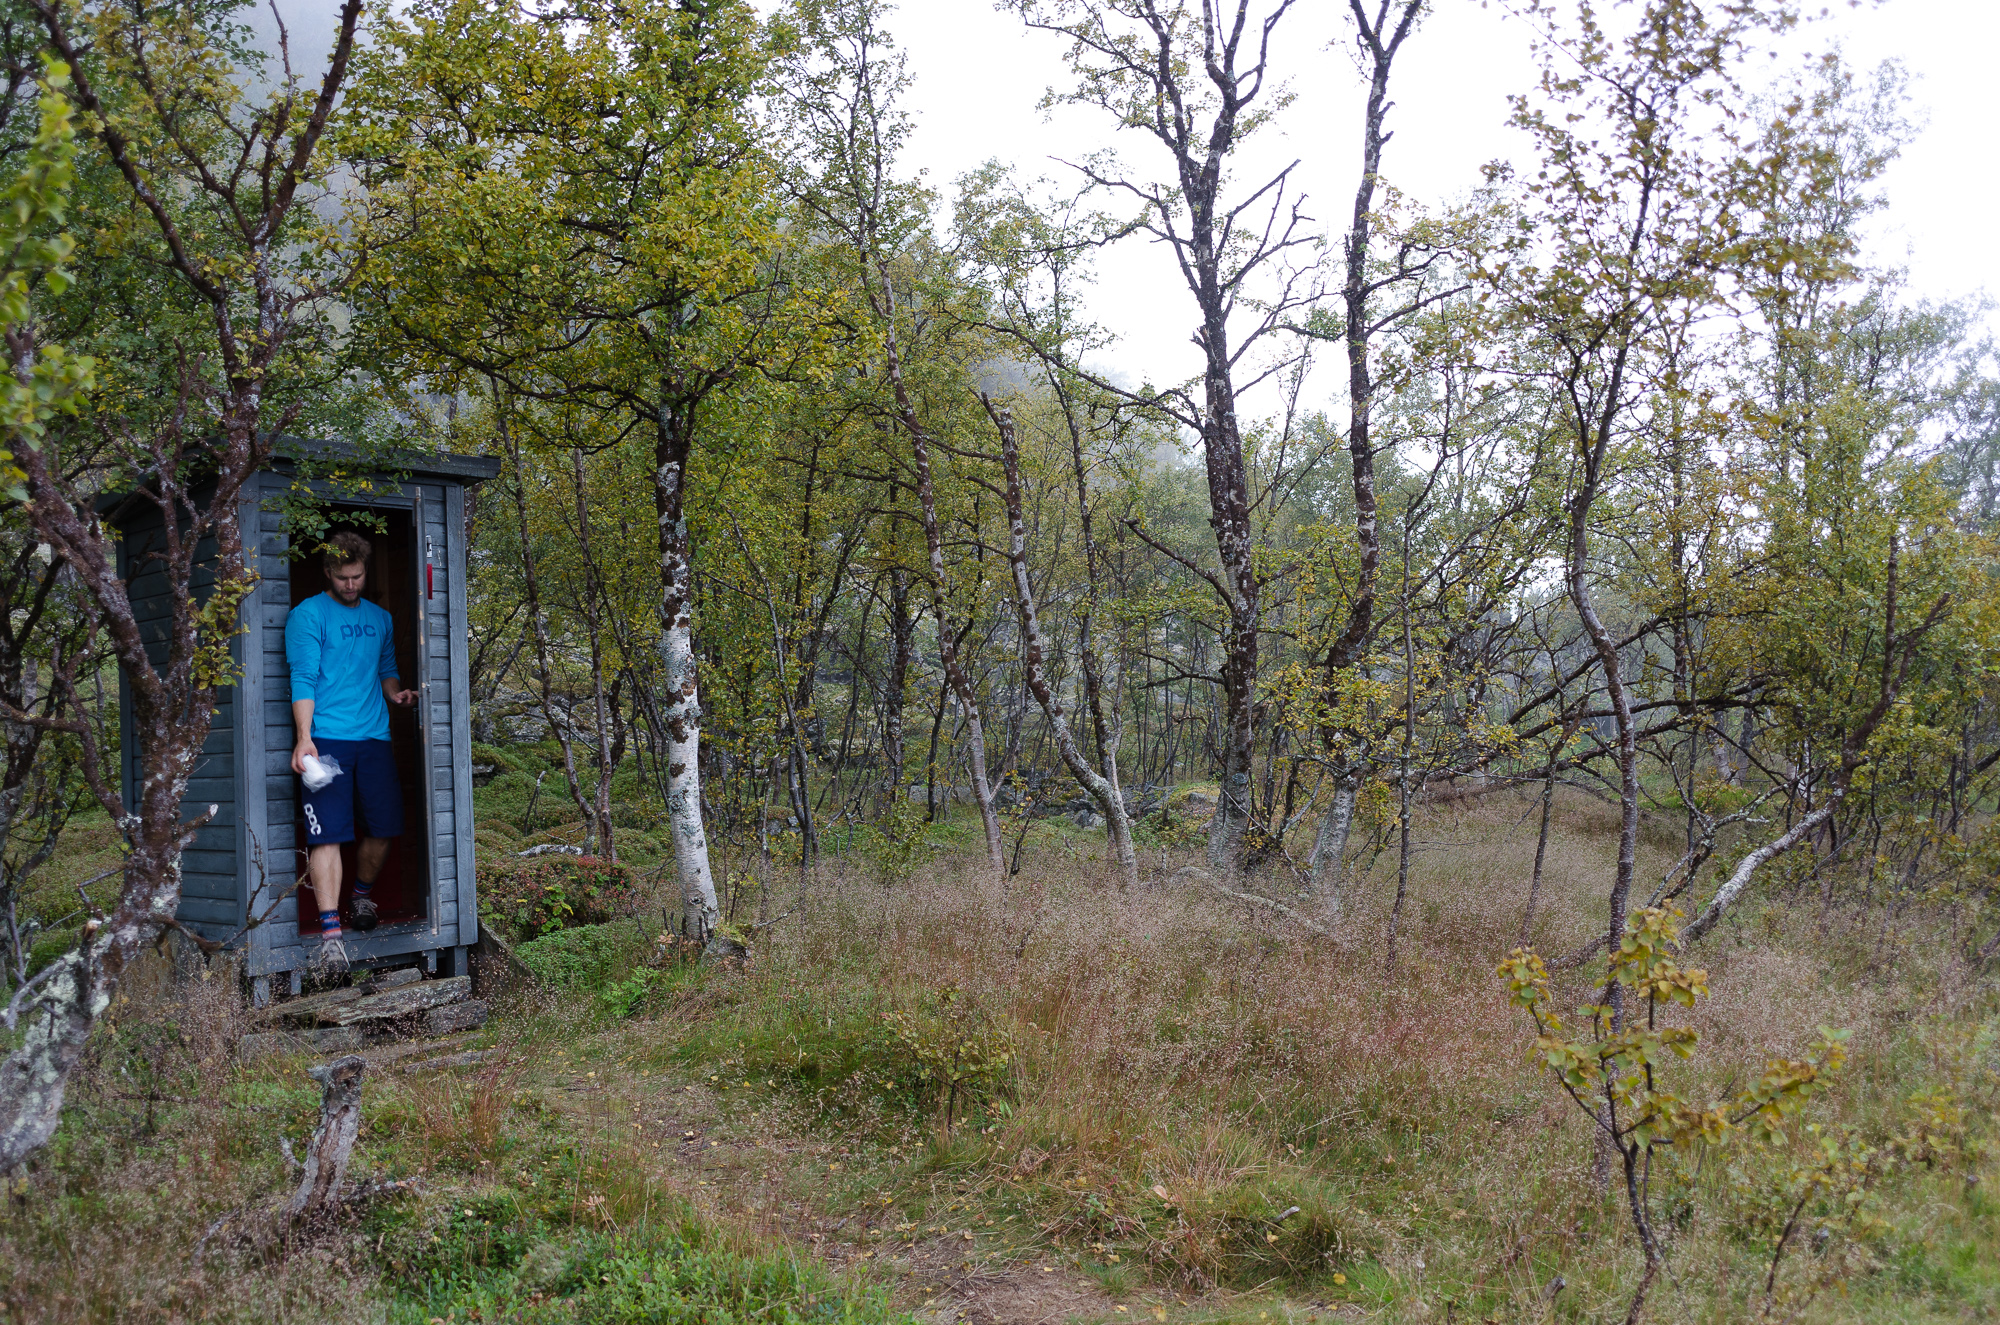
(744, 1166)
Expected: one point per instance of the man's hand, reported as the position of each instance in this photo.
(300, 751)
(402, 697)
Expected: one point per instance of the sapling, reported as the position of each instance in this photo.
(960, 1052)
(1613, 1073)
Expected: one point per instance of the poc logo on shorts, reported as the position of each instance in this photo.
(312, 822)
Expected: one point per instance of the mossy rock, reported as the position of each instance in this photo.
(494, 755)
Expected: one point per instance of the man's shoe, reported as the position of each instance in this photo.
(364, 917)
(330, 958)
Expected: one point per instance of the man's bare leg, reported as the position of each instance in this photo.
(369, 857)
(323, 868)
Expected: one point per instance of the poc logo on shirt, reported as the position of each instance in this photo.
(357, 632)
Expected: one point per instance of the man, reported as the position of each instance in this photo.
(343, 661)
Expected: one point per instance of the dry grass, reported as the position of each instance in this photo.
(1192, 1066)
(1190, 1069)
(162, 1136)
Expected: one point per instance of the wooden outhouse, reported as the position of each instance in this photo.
(248, 858)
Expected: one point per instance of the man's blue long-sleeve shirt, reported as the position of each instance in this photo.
(339, 656)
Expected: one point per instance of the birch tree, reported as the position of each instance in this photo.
(1196, 78)
(1380, 36)
(1634, 218)
(842, 96)
(583, 213)
(221, 182)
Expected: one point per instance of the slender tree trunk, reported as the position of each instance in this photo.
(544, 650)
(680, 708)
(1409, 753)
(1326, 869)
(1541, 853)
(1740, 877)
(931, 758)
(593, 598)
(1648, 1243)
(1621, 708)
(1034, 650)
(902, 634)
(1102, 685)
(954, 669)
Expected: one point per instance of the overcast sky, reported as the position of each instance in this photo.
(980, 76)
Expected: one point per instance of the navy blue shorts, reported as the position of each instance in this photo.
(367, 781)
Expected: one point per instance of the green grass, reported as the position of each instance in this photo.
(502, 1258)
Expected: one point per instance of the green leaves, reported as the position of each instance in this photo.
(581, 209)
(1618, 1065)
(960, 1051)
(34, 206)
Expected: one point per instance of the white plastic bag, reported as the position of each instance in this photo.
(320, 770)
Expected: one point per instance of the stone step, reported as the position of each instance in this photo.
(392, 1029)
(308, 1009)
(384, 1055)
(467, 1016)
(420, 996)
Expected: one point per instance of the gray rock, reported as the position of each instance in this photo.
(391, 1003)
(466, 1059)
(456, 1017)
(1190, 874)
(495, 968)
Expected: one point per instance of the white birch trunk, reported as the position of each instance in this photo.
(1739, 879)
(1034, 649)
(682, 718)
(680, 708)
(1327, 866)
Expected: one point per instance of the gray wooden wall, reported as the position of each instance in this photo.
(211, 903)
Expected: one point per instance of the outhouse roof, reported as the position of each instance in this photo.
(417, 464)
(287, 451)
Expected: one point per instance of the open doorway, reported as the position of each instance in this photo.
(402, 891)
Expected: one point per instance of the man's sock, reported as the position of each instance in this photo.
(329, 924)
(362, 887)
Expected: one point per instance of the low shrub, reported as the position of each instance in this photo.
(585, 957)
(494, 755)
(527, 899)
